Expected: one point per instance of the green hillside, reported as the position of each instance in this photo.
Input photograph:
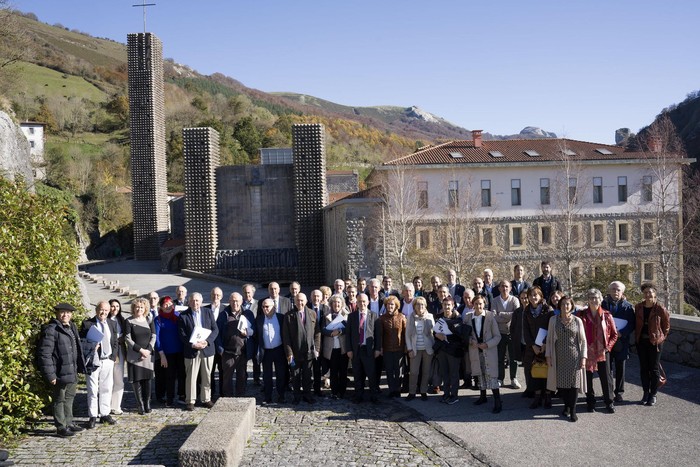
(41, 81)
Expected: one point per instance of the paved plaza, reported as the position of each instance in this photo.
(393, 432)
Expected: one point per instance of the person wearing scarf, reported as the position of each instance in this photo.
(169, 347)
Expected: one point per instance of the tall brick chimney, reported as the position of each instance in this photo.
(476, 136)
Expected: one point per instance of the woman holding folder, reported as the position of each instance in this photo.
(334, 345)
(140, 339)
(536, 317)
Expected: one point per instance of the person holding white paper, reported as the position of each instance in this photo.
(232, 344)
(140, 337)
(199, 356)
(621, 311)
(536, 316)
(334, 345)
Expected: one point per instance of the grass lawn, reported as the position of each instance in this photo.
(40, 81)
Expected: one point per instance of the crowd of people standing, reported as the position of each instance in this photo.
(423, 341)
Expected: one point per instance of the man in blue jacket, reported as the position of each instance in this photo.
(199, 355)
(620, 309)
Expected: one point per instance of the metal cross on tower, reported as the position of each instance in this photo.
(144, 5)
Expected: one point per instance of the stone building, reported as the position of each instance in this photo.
(147, 130)
(471, 204)
(34, 131)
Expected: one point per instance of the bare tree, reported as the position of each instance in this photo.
(670, 197)
(14, 46)
(562, 204)
(401, 216)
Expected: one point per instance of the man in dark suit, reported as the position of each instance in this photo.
(282, 304)
(251, 304)
(456, 290)
(547, 282)
(319, 366)
(217, 306)
(365, 342)
(199, 355)
(518, 284)
(101, 380)
(232, 344)
(268, 337)
(387, 289)
(301, 335)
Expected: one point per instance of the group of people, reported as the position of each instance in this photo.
(424, 341)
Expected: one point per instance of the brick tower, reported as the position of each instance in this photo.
(201, 151)
(310, 196)
(149, 202)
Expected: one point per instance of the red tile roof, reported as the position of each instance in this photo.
(513, 151)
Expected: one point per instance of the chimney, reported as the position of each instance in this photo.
(655, 144)
(476, 136)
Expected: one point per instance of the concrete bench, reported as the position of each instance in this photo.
(221, 436)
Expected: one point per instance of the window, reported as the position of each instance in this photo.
(423, 195)
(31, 130)
(622, 230)
(515, 192)
(31, 144)
(424, 239)
(572, 191)
(598, 272)
(576, 273)
(544, 191)
(517, 236)
(486, 193)
(598, 234)
(487, 236)
(646, 188)
(647, 272)
(647, 232)
(545, 235)
(453, 194)
(597, 190)
(624, 272)
(622, 189)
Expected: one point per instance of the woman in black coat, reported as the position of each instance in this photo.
(536, 316)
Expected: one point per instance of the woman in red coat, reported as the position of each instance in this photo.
(651, 329)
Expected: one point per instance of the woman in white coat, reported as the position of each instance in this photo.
(483, 351)
(419, 345)
(566, 356)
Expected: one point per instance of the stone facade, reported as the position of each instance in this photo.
(683, 342)
(147, 129)
(343, 181)
(201, 151)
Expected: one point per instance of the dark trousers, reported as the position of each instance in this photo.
(218, 364)
(161, 376)
(378, 367)
(392, 364)
(619, 364)
(274, 357)
(63, 396)
(649, 360)
(363, 367)
(232, 362)
(503, 346)
(175, 373)
(449, 369)
(569, 396)
(301, 377)
(256, 369)
(319, 369)
(338, 372)
(605, 382)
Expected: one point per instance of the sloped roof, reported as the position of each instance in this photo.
(464, 152)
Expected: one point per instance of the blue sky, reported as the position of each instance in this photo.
(580, 69)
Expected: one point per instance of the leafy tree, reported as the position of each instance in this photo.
(46, 116)
(37, 270)
(247, 134)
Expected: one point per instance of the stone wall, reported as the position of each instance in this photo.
(683, 342)
(14, 151)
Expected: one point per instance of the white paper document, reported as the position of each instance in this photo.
(620, 323)
(337, 323)
(441, 327)
(541, 335)
(244, 325)
(181, 308)
(94, 334)
(199, 334)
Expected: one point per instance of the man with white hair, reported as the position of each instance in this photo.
(301, 336)
(232, 344)
(489, 284)
(199, 355)
(622, 312)
(456, 289)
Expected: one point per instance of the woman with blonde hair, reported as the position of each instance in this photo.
(140, 336)
(483, 351)
(419, 345)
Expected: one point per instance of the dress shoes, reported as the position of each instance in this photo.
(573, 418)
(189, 407)
(208, 404)
(645, 399)
(266, 402)
(424, 396)
(75, 428)
(610, 408)
(410, 397)
(480, 400)
(108, 419)
(65, 432)
(91, 423)
(651, 402)
(618, 398)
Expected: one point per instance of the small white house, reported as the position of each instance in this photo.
(34, 131)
